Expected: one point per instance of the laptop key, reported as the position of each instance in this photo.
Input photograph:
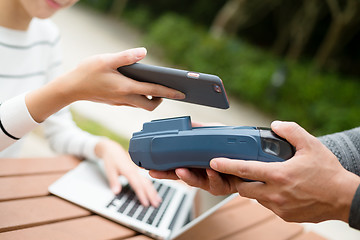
(126, 203)
(172, 224)
(129, 204)
(154, 213)
(163, 207)
(134, 208)
(142, 213)
(119, 197)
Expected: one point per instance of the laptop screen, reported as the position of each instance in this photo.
(205, 205)
(206, 201)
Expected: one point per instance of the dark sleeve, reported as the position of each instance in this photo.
(354, 218)
(346, 147)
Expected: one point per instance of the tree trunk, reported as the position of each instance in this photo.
(302, 27)
(282, 40)
(284, 19)
(224, 18)
(341, 26)
(238, 14)
(117, 7)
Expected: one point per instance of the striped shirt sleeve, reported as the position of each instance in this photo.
(60, 130)
(66, 137)
(15, 121)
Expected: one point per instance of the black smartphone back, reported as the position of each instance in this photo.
(199, 88)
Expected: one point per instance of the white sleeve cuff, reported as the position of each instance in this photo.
(15, 117)
(89, 148)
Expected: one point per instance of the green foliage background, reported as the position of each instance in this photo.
(97, 129)
(322, 102)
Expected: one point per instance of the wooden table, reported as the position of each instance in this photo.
(28, 211)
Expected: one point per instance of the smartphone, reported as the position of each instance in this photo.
(199, 88)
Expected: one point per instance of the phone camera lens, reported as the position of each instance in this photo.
(217, 88)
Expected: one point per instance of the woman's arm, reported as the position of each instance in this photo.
(95, 79)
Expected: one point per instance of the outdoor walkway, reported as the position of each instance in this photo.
(86, 33)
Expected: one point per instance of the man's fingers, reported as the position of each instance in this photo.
(254, 190)
(219, 185)
(163, 174)
(291, 131)
(197, 179)
(252, 170)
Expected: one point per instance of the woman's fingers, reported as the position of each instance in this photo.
(112, 177)
(124, 58)
(144, 190)
(154, 90)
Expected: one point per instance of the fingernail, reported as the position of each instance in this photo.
(139, 52)
(213, 164)
(115, 189)
(177, 175)
(180, 95)
(177, 172)
(146, 203)
(275, 123)
(156, 204)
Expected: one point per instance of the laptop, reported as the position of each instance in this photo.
(86, 186)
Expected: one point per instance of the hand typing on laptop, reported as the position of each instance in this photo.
(117, 162)
(86, 186)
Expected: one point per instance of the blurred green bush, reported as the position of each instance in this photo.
(320, 102)
(98, 129)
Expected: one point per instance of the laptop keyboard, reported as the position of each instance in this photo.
(127, 203)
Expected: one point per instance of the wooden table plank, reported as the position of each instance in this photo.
(274, 228)
(23, 213)
(234, 203)
(228, 221)
(85, 228)
(24, 166)
(39, 216)
(26, 186)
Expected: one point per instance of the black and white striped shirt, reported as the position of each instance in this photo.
(28, 60)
